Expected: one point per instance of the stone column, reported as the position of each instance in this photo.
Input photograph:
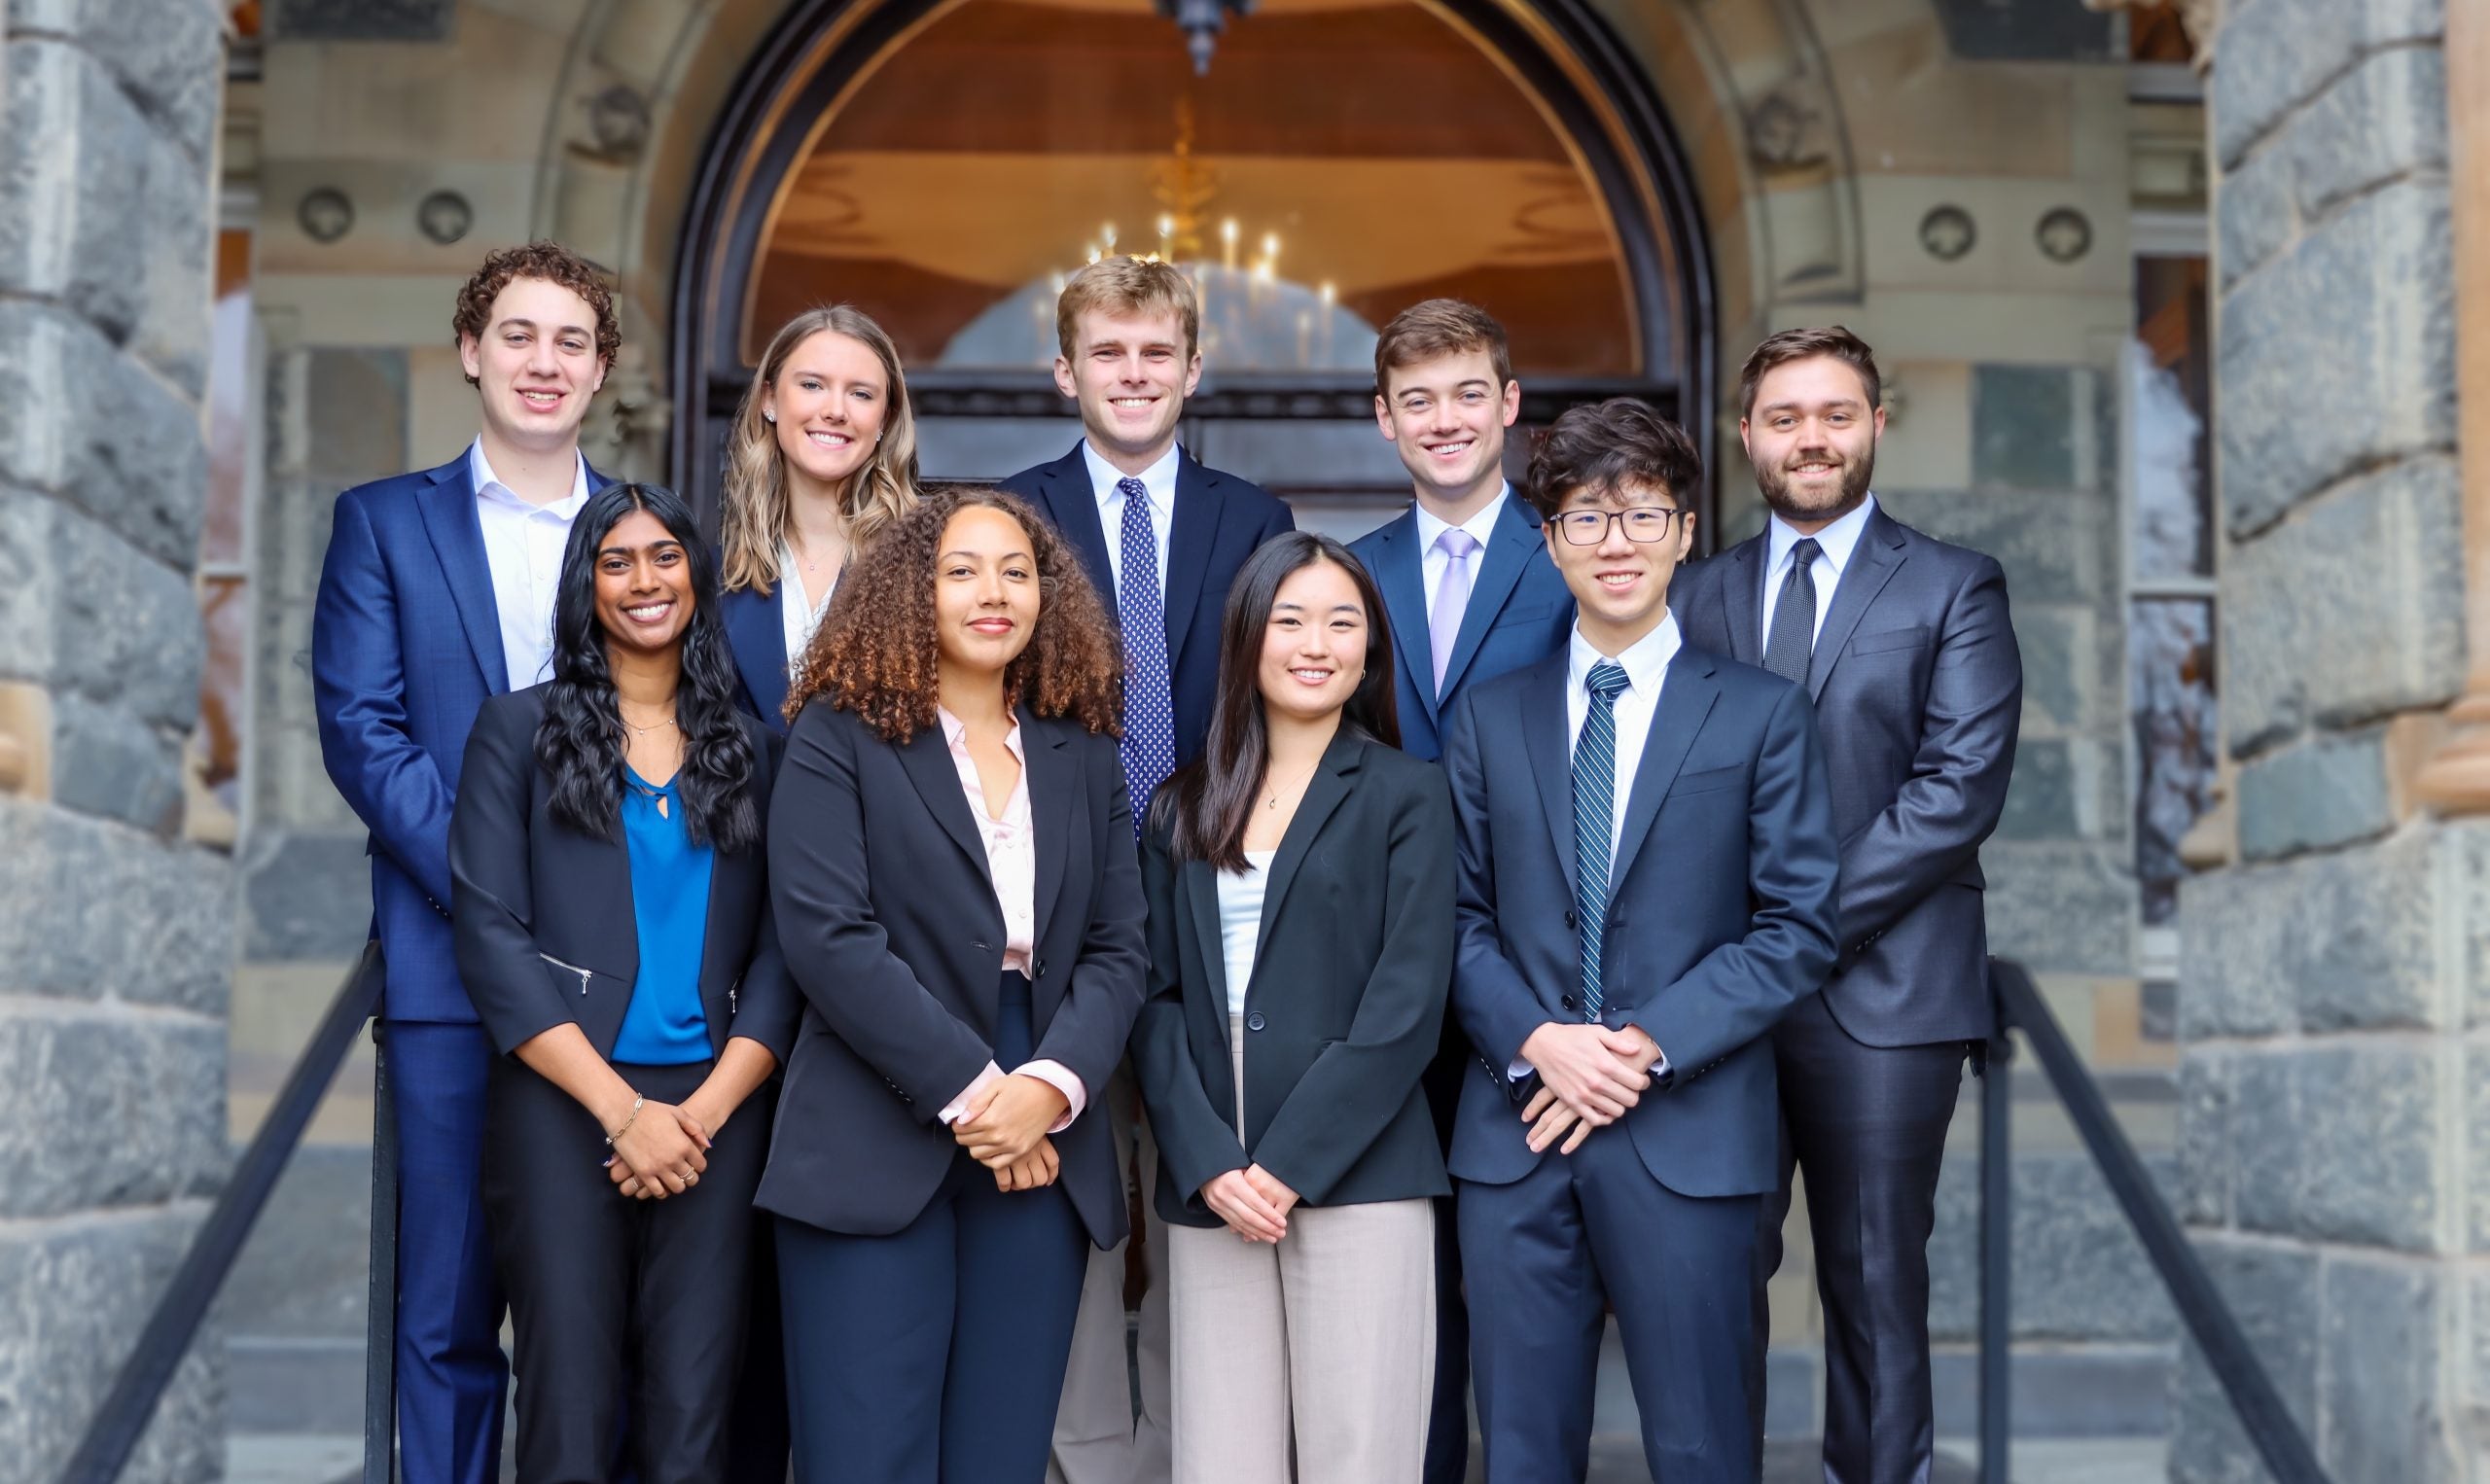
(2333, 970)
(116, 936)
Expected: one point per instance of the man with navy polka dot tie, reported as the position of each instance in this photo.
(1161, 537)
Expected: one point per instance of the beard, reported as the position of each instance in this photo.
(1790, 504)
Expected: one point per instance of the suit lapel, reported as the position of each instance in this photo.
(1544, 727)
(1508, 552)
(1052, 781)
(1200, 884)
(927, 758)
(1190, 538)
(1323, 792)
(448, 506)
(759, 639)
(1399, 577)
(1687, 696)
(1073, 505)
(1872, 564)
(1742, 595)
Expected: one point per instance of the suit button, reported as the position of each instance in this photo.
(982, 947)
(1570, 920)
(1042, 969)
(1567, 1001)
(1254, 1021)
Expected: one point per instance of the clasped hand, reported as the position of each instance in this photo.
(662, 1152)
(1004, 1128)
(1253, 1201)
(1589, 1075)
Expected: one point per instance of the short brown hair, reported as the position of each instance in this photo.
(1128, 285)
(876, 653)
(1439, 327)
(555, 264)
(1790, 345)
(1608, 445)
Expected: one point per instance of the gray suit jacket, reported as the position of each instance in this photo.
(1918, 689)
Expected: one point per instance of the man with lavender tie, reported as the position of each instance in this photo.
(1161, 537)
(1471, 594)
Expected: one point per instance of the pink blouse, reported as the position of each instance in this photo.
(1012, 860)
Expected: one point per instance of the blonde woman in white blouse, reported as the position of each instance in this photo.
(1300, 932)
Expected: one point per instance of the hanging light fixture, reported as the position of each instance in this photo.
(1201, 22)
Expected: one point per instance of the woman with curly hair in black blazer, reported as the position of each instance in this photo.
(611, 919)
(951, 863)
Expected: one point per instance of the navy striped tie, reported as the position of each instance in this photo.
(1594, 806)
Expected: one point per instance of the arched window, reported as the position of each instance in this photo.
(944, 165)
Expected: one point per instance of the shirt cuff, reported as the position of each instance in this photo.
(1058, 1077)
(1518, 1070)
(953, 1110)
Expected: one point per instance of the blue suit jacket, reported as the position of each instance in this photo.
(405, 644)
(1518, 612)
(1918, 690)
(1219, 519)
(759, 638)
(1720, 912)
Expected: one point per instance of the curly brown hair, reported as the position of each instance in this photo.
(877, 655)
(551, 262)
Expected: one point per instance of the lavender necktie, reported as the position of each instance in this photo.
(1453, 597)
(1149, 714)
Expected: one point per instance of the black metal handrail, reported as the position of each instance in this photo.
(2268, 1424)
(115, 1428)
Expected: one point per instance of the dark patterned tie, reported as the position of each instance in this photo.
(1149, 714)
(1594, 806)
(1792, 640)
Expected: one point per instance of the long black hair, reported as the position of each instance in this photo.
(1209, 803)
(579, 742)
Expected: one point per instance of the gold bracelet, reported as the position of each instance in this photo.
(637, 1101)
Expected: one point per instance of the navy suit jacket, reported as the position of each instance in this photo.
(1918, 689)
(759, 638)
(1219, 519)
(1519, 612)
(1721, 912)
(405, 644)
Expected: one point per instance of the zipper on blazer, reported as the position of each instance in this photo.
(573, 968)
(730, 994)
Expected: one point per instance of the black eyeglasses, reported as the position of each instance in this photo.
(1644, 523)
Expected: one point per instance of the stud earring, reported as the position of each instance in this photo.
(768, 416)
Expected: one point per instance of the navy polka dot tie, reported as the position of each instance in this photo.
(1150, 713)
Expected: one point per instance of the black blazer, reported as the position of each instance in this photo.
(878, 879)
(1345, 1008)
(542, 912)
(759, 639)
(1219, 519)
(1918, 690)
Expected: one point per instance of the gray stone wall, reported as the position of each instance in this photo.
(2330, 973)
(115, 936)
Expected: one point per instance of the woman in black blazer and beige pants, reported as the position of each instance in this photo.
(951, 863)
(613, 929)
(1300, 935)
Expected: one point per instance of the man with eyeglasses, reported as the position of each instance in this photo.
(1905, 648)
(1647, 881)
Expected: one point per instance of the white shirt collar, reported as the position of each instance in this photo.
(1160, 480)
(1645, 660)
(1838, 540)
(489, 486)
(1482, 526)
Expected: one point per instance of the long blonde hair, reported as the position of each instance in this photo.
(753, 516)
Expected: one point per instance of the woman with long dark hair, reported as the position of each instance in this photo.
(611, 917)
(1301, 942)
(951, 864)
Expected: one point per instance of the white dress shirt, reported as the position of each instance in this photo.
(798, 620)
(1011, 863)
(1646, 669)
(1433, 559)
(1159, 481)
(1833, 546)
(1240, 923)
(524, 548)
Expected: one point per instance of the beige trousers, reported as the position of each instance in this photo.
(1097, 1438)
(1325, 1339)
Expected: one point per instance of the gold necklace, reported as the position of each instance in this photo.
(1273, 801)
(645, 730)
